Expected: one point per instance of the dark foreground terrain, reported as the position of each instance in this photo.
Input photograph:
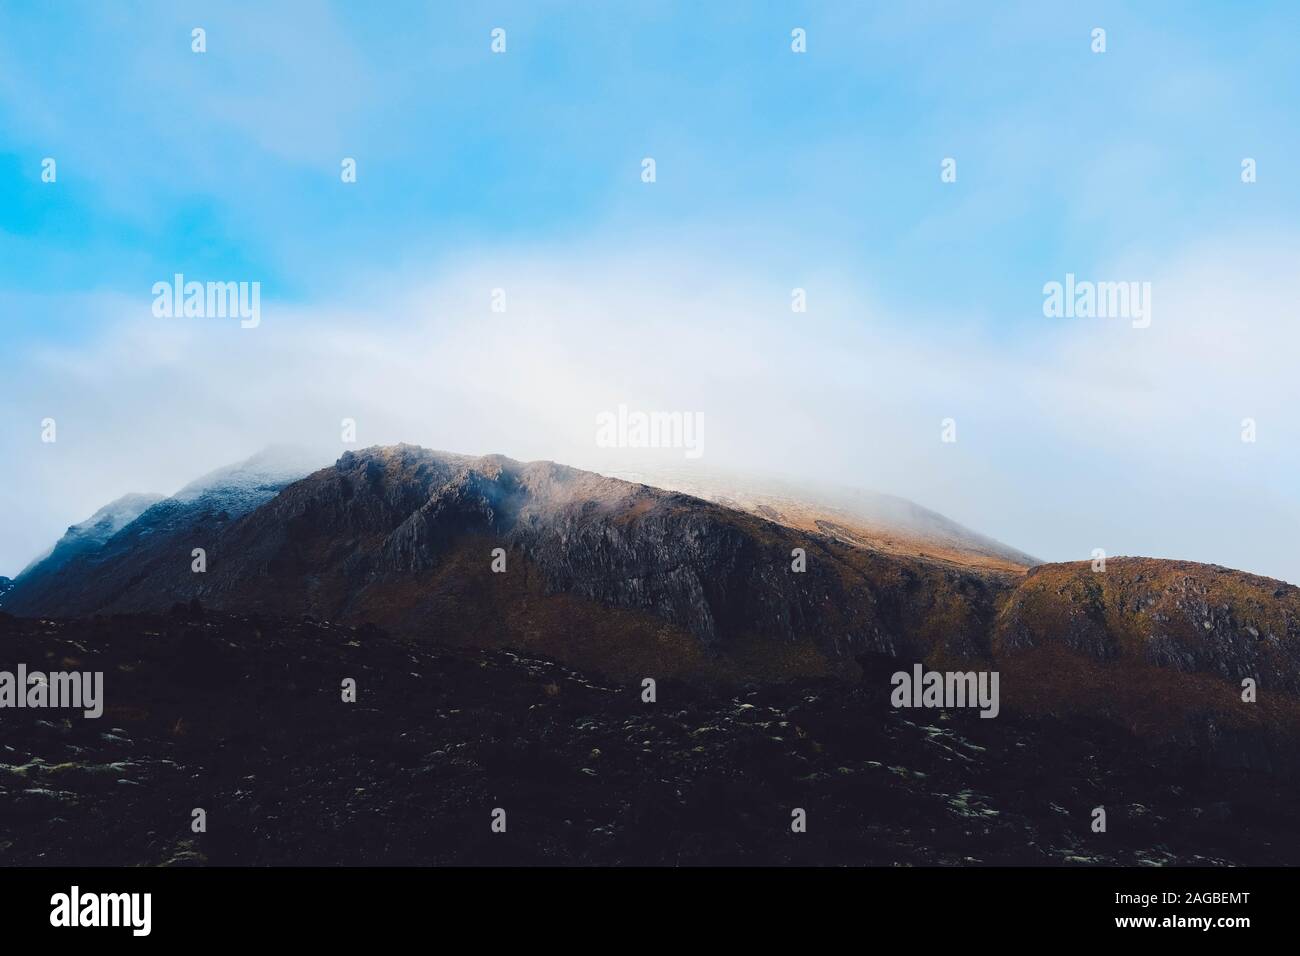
(243, 717)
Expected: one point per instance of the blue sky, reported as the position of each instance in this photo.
(775, 170)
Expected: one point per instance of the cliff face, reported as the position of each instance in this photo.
(721, 575)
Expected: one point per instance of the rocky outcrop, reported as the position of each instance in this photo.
(1192, 618)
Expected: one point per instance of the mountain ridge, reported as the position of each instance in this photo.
(94, 532)
(627, 579)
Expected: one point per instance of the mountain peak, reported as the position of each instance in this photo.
(95, 531)
(273, 466)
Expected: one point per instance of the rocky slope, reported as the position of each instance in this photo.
(884, 523)
(244, 718)
(118, 547)
(1190, 617)
(92, 534)
(1162, 646)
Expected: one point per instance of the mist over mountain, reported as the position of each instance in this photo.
(241, 487)
(859, 517)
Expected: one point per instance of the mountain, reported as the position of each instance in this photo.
(404, 537)
(629, 580)
(239, 488)
(6, 584)
(91, 535)
(142, 531)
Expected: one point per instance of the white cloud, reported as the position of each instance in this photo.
(1073, 434)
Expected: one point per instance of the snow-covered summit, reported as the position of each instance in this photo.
(92, 533)
(239, 488)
